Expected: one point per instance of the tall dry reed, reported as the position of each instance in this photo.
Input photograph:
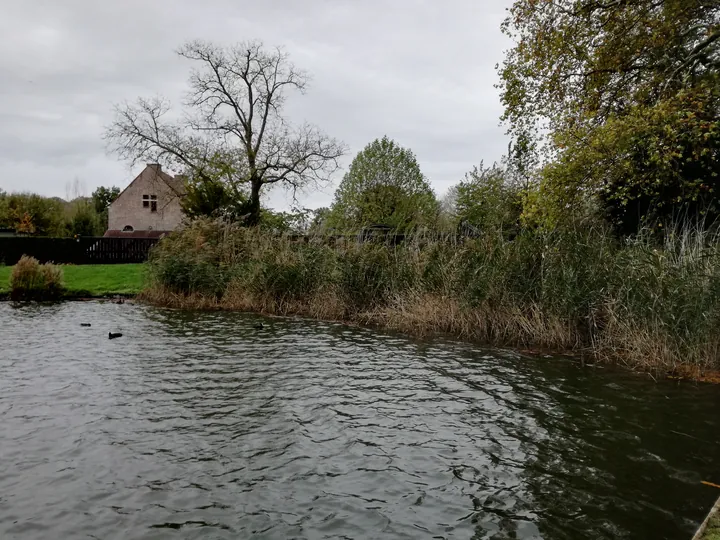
(31, 280)
(649, 305)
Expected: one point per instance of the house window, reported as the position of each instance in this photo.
(150, 201)
(128, 228)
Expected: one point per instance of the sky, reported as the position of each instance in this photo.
(421, 72)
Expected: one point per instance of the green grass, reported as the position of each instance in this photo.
(712, 532)
(94, 279)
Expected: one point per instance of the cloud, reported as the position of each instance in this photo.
(421, 72)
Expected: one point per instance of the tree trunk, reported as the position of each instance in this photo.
(253, 218)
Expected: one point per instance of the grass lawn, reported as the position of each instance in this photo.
(93, 279)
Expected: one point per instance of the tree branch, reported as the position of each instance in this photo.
(234, 131)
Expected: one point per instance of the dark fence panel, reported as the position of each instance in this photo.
(87, 250)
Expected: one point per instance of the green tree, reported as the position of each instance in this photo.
(487, 200)
(297, 221)
(623, 97)
(319, 220)
(85, 221)
(32, 214)
(384, 185)
(4, 210)
(208, 197)
(219, 192)
(234, 110)
(102, 198)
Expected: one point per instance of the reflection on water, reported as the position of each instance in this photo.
(196, 425)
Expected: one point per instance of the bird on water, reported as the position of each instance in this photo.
(113, 335)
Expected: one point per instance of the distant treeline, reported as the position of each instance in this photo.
(35, 215)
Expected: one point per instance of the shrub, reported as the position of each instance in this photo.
(52, 277)
(26, 275)
(31, 280)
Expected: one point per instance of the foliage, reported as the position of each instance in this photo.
(207, 198)
(192, 260)
(32, 214)
(213, 198)
(31, 280)
(384, 185)
(572, 288)
(102, 198)
(234, 124)
(672, 154)
(84, 221)
(447, 210)
(26, 274)
(319, 218)
(486, 201)
(218, 191)
(580, 62)
(627, 93)
(296, 221)
(53, 280)
(650, 167)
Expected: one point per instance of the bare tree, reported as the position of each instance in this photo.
(233, 122)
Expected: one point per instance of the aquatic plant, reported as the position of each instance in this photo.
(649, 304)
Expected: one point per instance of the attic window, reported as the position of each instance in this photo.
(128, 228)
(150, 201)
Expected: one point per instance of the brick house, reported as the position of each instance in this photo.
(149, 206)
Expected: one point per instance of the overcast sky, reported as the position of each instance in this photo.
(420, 71)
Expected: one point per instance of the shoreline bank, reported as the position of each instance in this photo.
(90, 281)
(421, 317)
(710, 528)
(76, 296)
(428, 317)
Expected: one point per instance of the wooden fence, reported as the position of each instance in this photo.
(84, 250)
(104, 250)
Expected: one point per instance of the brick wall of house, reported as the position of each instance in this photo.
(128, 209)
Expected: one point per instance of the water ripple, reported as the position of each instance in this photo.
(196, 425)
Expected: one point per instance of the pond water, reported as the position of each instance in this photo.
(199, 425)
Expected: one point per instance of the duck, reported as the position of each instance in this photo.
(259, 326)
(113, 335)
(85, 324)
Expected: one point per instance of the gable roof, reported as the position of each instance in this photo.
(176, 184)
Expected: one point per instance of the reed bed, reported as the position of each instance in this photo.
(647, 303)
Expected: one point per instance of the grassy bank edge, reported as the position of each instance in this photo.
(426, 316)
(710, 528)
(91, 281)
(79, 295)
